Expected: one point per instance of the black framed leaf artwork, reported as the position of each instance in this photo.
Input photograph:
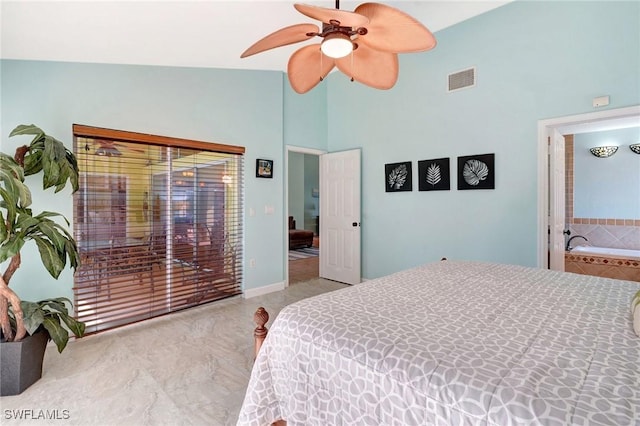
(398, 177)
(434, 175)
(476, 172)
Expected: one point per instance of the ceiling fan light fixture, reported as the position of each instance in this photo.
(389, 32)
(337, 45)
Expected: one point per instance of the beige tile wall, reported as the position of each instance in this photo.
(622, 269)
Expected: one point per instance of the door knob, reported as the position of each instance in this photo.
(355, 224)
(567, 232)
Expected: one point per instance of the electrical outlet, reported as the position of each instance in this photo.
(252, 263)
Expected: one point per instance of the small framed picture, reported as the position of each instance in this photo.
(264, 168)
(476, 172)
(434, 175)
(398, 177)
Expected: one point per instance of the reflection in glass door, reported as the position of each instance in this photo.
(189, 228)
(102, 207)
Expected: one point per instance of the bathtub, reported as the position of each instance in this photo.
(622, 264)
(606, 252)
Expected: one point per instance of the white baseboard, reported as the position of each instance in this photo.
(260, 291)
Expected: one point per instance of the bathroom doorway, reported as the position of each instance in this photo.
(551, 195)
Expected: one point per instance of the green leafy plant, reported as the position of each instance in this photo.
(19, 225)
(49, 314)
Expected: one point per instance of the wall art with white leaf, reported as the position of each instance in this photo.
(398, 177)
(476, 172)
(434, 175)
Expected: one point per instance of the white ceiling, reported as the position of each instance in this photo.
(204, 33)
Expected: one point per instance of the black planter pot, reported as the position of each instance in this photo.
(21, 363)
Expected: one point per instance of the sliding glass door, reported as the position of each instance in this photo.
(159, 228)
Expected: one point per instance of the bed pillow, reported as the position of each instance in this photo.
(635, 312)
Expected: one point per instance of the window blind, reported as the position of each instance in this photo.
(158, 222)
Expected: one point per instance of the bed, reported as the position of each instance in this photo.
(453, 343)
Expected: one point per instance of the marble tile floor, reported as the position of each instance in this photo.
(187, 368)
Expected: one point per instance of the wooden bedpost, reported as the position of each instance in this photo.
(261, 317)
(260, 333)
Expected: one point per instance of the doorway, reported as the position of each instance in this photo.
(551, 197)
(302, 214)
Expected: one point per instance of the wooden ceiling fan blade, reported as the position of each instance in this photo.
(373, 68)
(392, 30)
(307, 67)
(346, 18)
(282, 37)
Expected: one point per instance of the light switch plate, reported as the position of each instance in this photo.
(600, 101)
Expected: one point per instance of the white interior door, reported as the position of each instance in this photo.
(556, 200)
(340, 216)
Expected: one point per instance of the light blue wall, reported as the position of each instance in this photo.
(232, 107)
(607, 188)
(305, 115)
(296, 188)
(311, 182)
(535, 60)
(303, 177)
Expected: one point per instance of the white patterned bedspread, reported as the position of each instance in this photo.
(453, 343)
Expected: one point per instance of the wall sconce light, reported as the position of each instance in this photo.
(635, 148)
(603, 151)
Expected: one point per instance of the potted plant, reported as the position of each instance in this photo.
(27, 326)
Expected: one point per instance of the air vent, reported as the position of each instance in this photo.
(462, 79)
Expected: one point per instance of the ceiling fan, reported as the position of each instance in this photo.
(363, 44)
(109, 148)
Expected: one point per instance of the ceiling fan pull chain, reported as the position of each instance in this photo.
(352, 66)
(321, 79)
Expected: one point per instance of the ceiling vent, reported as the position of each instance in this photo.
(462, 79)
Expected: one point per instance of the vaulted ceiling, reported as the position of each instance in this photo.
(201, 33)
